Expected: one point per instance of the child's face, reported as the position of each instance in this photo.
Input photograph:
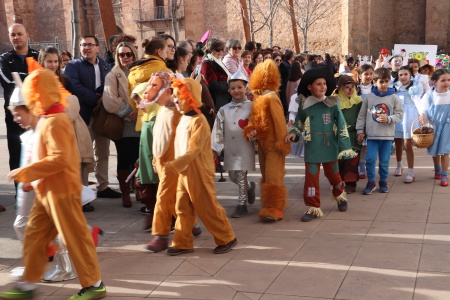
(237, 89)
(22, 117)
(396, 63)
(425, 71)
(404, 77)
(414, 67)
(366, 77)
(247, 59)
(181, 104)
(442, 83)
(348, 89)
(318, 88)
(382, 84)
(51, 62)
(165, 98)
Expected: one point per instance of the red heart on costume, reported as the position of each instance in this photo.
(243, 123)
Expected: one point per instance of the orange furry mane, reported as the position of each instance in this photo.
(185, 93)
(265, 76)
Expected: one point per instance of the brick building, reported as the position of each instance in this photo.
(358, 26)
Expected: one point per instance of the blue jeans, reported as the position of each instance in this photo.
(383, 149)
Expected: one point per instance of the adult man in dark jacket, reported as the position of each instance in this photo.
(14, 61)
(87, 77)
(285, 69)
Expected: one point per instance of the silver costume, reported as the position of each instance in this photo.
(64, 269)
(239, 155)
(239, 177)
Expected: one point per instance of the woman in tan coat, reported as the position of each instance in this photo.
(116, 101)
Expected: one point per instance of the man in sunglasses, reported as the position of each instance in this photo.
(87, 78)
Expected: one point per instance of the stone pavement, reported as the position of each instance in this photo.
(387, 246)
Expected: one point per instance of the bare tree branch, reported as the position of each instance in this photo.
(261, 15)
(308, 12)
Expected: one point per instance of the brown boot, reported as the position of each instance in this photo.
(124, 187)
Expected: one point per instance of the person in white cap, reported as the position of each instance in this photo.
(25, 193)
(227, 136)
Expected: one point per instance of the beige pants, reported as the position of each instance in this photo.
(101, 156)
(48, 217)
(165, 202)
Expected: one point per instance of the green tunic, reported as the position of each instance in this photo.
(145, 172)
(326, 134)
(350, 116)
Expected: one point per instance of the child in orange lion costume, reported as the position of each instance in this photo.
(268, 126)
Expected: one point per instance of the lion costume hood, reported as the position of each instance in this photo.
(265, 77)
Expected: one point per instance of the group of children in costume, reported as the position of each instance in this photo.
(332, 128)
(361, 123)
(50, 196)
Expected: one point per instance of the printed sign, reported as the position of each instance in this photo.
(419, 52)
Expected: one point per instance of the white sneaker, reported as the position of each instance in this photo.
(17, 273)
(398, 171)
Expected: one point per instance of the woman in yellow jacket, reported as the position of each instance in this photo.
(140, 72)
(155, 54)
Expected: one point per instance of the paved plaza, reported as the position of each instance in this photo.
(386, 246)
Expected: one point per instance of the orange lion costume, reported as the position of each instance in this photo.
(268, 126)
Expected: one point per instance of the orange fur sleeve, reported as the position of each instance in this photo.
(276, 112)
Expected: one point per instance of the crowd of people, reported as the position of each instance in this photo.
(182, 108)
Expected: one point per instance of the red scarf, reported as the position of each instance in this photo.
(55, 109)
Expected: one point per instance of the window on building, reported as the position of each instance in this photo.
(159, 9)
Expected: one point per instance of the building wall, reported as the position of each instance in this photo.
(358, 26)
(437, 24)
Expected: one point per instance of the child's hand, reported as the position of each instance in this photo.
(290, 137)
(27, 187)
(154, 167)
(361, 137)
(12, 175)
(383, 118)
(423, 119)
(252, 135)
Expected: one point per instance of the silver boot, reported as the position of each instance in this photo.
(64, 269)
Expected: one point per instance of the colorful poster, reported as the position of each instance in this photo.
(419, 52)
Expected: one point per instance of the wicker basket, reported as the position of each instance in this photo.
(421, 140)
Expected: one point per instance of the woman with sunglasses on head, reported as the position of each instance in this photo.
(215, 72)
(231, 60)
(116, 101)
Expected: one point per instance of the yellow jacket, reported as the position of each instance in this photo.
(140, 71)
